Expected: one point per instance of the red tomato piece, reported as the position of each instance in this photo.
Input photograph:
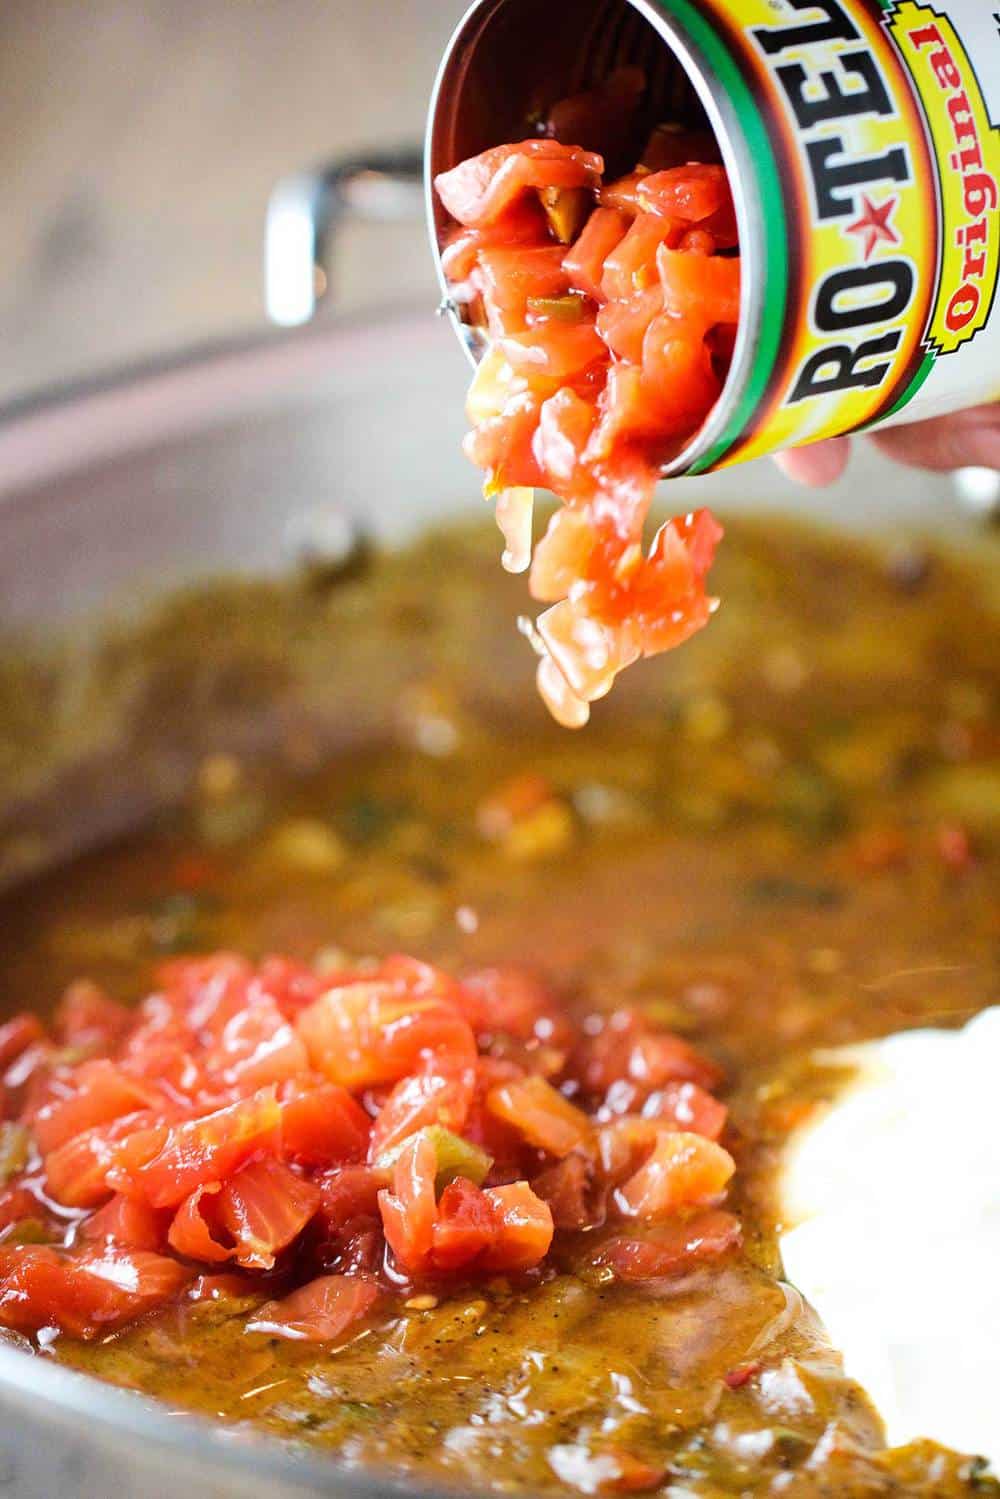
(566, 1188)
(477, 191)
(510, 276)
(554, 350)
(16, 1035)
(684, 1171)
(563, 555)
(350, 1193)
(83, 1295)
(290, 985)
(541, 1114)
(679, 385)
(692, 192)
(128, 1222)
(502, 445)
(675, 1249)
(622, 323)
(77, 1172)
(583, 263)
(688, 1107)
(196, 1231)
(410, 1208)
(522, 224)
(631, 266)
(86, 1018)
(256, 1046)
(320, 1312)
(440, 1093)
(661, 1058)
(102, 1093)
(16, 1204)
(264, 1208)
(566, 422)
(322, 1124)
(197, 1151)
(701, 289)
(524, 1229)
(465, 1226)
(364, 1034)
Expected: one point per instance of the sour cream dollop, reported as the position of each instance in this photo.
(892, 1197)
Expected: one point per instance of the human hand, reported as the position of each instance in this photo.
(964, 439)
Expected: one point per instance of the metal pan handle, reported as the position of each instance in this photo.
(306, 210)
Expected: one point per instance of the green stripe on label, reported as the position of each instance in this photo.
(926, 365)
(720, 62)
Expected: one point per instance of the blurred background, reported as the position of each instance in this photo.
(140, 140)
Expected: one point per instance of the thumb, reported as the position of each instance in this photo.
(965, 439)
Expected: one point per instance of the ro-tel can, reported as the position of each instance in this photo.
(861, 143)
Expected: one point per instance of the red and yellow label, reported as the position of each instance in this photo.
(882, 168)
(967, 147)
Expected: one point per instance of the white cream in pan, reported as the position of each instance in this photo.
(892, 1197)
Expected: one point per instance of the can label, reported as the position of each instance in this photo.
(876, 191)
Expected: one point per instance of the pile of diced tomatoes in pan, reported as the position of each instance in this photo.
(329, 1143)
(611, 310)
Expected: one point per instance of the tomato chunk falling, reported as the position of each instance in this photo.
(613, 316)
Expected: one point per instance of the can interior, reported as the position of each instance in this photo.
(511, 60)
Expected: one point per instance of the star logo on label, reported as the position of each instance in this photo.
(874, 224)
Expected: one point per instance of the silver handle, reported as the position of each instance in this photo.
(305, 211)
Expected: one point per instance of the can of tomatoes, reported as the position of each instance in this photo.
(861, 143)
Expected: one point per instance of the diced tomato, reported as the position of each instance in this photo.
(264, 1208)
(256, 1046)
(631, 266)
(632, 1475)
(291, 985)
(689, 1107)
(701, 289)
(83, 1295)
(465, 1225)
(566, 1188)
(693, 192)
(16, 1035)
(410, 1208)
(565, 424)
(322, 1124)
(17, 1203)
(684, 1171)
(440, 1093)
(510, 277)
(676, 1247)
(196, 1231)
(128, 1222)
(320, 1312)
(522, 224)
(102, 1092)
(478, 190)
(197, 1151)
(350, 1192)
(86, 1018)
(541, 1114)
(679, 383)
(77, 1172)
(622, 323)
(502, 445)
(621, 196)
(659, 1058)
(563, 555)
(524, 1229)
(364, 1034)
(555, 351)
(583, 263)
(207, 991)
